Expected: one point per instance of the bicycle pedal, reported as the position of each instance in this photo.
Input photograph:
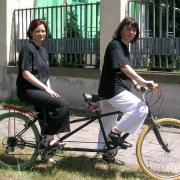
(118, 146)
(113, 161)
(47, 159)
(113, 148)
(46, 155)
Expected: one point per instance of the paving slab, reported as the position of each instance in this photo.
(88, 137)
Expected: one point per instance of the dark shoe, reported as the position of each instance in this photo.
(119, 141)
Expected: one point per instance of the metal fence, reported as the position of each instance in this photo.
(159, 45)
(157, 53)
(73, 38)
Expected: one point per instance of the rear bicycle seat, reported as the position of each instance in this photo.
(92, 97)
(92, 101)
(28, 109)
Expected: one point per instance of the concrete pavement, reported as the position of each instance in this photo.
(89, 135)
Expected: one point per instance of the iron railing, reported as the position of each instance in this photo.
(157, 53)
(73, 38)
(159, 45)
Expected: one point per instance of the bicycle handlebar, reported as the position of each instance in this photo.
(145, 90)
(152, 96)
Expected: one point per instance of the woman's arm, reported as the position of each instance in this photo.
(134, 82)
(48, 83)
(129, 72)
(33, 80)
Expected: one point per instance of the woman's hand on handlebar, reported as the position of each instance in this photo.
(152, 85)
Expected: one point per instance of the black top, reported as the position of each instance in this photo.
(113, 80)
(34, 59)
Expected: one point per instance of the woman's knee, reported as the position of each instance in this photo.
(62, 104)
(144, 109)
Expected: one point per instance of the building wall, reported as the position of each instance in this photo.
(3, 33)
(6, 29)
(71, 83)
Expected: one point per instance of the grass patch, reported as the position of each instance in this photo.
(76, 168)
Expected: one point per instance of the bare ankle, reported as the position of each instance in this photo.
(49, 137)
(116, 131)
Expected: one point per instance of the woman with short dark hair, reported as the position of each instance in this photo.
(33, 84)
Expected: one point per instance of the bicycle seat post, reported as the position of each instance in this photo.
(102, 128)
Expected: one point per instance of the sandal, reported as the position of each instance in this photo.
(123, 137)
(117, 140)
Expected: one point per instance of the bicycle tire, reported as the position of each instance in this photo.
(152, 159)
(21, 152)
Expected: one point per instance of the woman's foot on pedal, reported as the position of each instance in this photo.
(51, 143)
(123, 137)
(116, 140)
(56, 143)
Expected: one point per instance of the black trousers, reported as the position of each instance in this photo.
(53, 111)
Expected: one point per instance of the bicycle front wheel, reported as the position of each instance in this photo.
(17, 151)
(152, 158)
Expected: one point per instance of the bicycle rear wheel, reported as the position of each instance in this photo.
(152, 158)
(17, 152)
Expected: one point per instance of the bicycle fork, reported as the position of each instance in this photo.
(158, 134)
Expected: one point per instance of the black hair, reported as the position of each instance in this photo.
(125, 22)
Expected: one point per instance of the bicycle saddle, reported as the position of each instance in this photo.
(92, 97)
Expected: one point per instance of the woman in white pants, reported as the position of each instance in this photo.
(116, 81)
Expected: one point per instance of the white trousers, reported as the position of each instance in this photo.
(134, 113)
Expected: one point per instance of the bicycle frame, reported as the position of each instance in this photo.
(91, 119)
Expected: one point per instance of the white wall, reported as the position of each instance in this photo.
(72, 89)
(6, 16)
(112, 12)
(3, 33)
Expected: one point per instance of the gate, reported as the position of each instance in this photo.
(73, 38)
(159, 43)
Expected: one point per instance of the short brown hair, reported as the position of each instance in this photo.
(125, 22)
(33, 25)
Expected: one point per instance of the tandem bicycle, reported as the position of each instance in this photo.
(157, 147)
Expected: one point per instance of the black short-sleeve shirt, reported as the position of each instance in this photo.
(34, 59)
(113, 80)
